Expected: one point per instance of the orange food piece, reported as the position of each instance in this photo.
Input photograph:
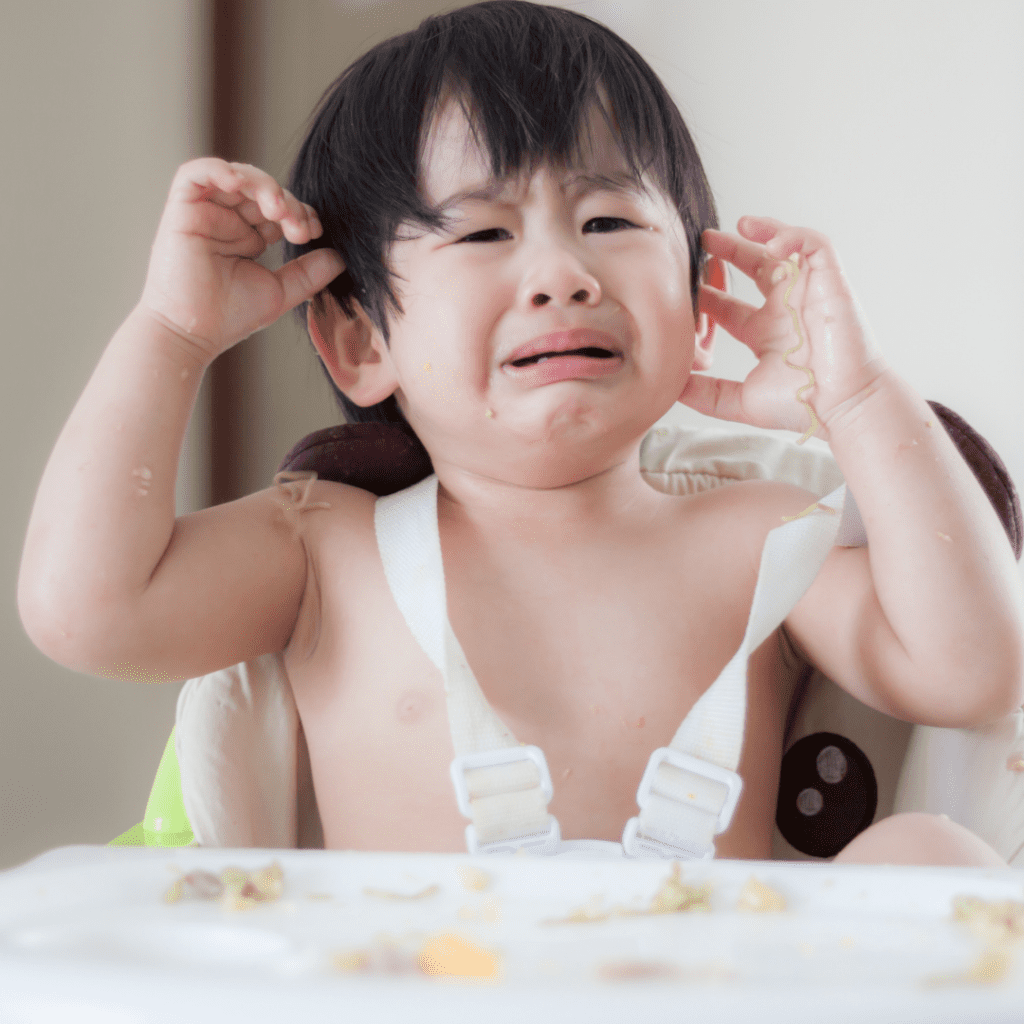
(449, 955)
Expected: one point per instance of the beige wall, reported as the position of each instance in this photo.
(98, 106)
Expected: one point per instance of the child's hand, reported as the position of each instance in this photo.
(836, 347)
(204, 281)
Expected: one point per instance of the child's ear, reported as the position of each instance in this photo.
(352, 350)
(716, 275)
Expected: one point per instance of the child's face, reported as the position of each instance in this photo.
(540, 257)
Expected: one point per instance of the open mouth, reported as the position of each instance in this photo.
(591, 352)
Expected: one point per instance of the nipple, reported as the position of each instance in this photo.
(794, 265)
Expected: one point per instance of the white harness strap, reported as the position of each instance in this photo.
(501, 785)
(690, 789)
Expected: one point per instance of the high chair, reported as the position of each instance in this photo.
(235, 770)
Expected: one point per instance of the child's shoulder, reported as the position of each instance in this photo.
(755, 503)
(740, 514)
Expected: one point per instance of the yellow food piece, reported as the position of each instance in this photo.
(448, 955)
(382, 894)
(993, 920)
(758, 898)
(817, 506)
(795, 265)
(675, 898)
(474, 879)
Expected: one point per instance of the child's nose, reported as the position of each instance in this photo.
(558, 275)
(581, 296)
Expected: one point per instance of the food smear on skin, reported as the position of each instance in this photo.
(817, 506)
(793, 267)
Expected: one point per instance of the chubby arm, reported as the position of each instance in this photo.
(927, 622)
(109, 582)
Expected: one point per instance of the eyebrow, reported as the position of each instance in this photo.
(585, 182)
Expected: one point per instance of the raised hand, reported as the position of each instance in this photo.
(810, 321)
(203, 280)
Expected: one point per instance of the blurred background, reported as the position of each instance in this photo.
(896, 127)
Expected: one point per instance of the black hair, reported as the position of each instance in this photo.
(527, 77)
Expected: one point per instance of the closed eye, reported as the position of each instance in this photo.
(479, 236)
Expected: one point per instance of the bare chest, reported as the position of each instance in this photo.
(596, 660)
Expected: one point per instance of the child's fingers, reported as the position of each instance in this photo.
(310, 273)
(250, 192)
(714, 396)
(276, 203)
(783, 240)
(752, 258)
(732, 315)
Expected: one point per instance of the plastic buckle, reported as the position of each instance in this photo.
(636, 843)
(540, 842)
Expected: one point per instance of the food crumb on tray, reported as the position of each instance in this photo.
(758, 898)
(234, 888)
(672, 897)
(448, 955)
(403, 897)
(675, 898)
(1000, 924)
(473, 879)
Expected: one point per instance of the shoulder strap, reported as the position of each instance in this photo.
(690, 788)
(502, 785)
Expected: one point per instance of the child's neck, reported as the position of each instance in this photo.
(548, 517)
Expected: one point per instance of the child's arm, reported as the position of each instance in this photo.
(109, 583)
(927, 622)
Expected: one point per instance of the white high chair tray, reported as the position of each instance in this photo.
(85, 935)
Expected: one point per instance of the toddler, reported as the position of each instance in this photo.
(498, 230)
